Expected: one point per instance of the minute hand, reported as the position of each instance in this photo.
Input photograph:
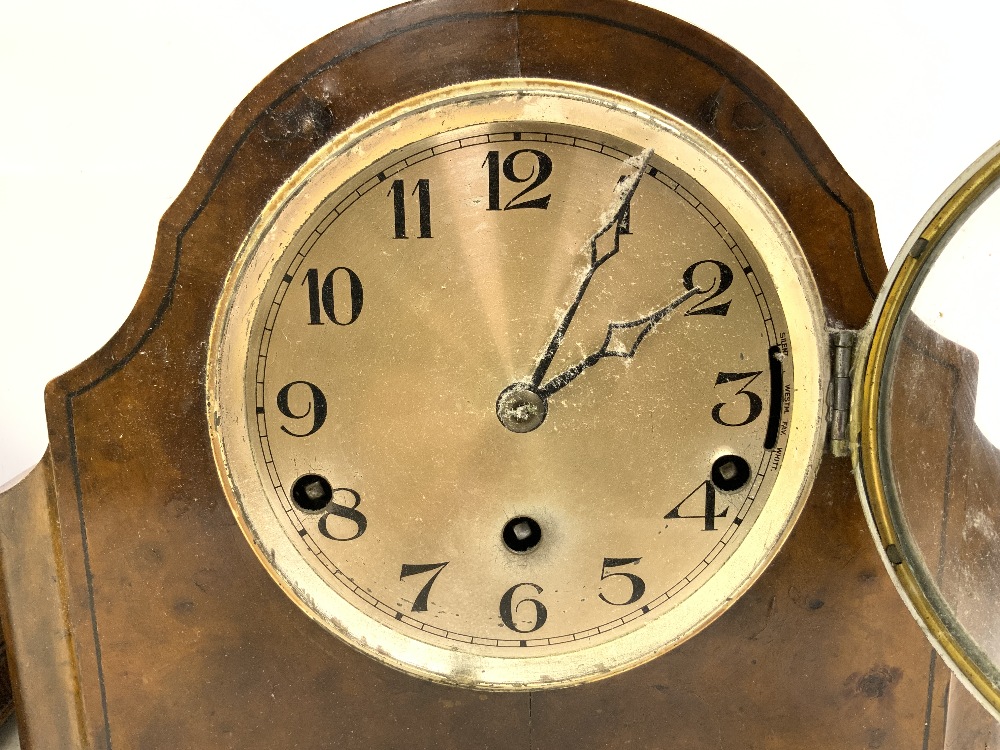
(610, 219)
(639, 328)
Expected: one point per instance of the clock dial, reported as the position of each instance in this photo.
(517, 386)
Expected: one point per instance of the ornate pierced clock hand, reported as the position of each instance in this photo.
(522, 407)
(611, 219)
(611, 347)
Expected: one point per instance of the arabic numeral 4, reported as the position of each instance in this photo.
(707, 500)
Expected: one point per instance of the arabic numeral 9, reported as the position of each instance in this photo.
(296, 408)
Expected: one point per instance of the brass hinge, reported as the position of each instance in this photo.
(839, 397)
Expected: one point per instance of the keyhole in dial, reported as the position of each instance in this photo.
(522, 534)
(730, 473)
(311, 492)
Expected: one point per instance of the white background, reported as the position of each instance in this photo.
(108, 105)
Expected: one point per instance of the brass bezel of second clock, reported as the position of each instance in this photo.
(532, 391)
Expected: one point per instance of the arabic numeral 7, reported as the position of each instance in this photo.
(409, 569)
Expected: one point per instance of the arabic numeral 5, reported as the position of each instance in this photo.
(638, 585)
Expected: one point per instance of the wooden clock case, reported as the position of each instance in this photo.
(137, 614)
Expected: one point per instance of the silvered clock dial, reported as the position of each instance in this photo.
(516, 384)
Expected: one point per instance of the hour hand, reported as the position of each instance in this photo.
(622, 340)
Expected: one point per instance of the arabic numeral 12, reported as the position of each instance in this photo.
(540, 170)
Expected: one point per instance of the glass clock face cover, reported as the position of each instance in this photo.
(930, 427)
(517, 385)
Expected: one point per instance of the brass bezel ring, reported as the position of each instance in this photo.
(911, 578)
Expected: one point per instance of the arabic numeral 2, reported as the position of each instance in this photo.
(721, 282)
(423, 193)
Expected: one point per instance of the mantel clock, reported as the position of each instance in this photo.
(512, 396)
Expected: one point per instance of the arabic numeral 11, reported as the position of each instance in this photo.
(423, 193)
